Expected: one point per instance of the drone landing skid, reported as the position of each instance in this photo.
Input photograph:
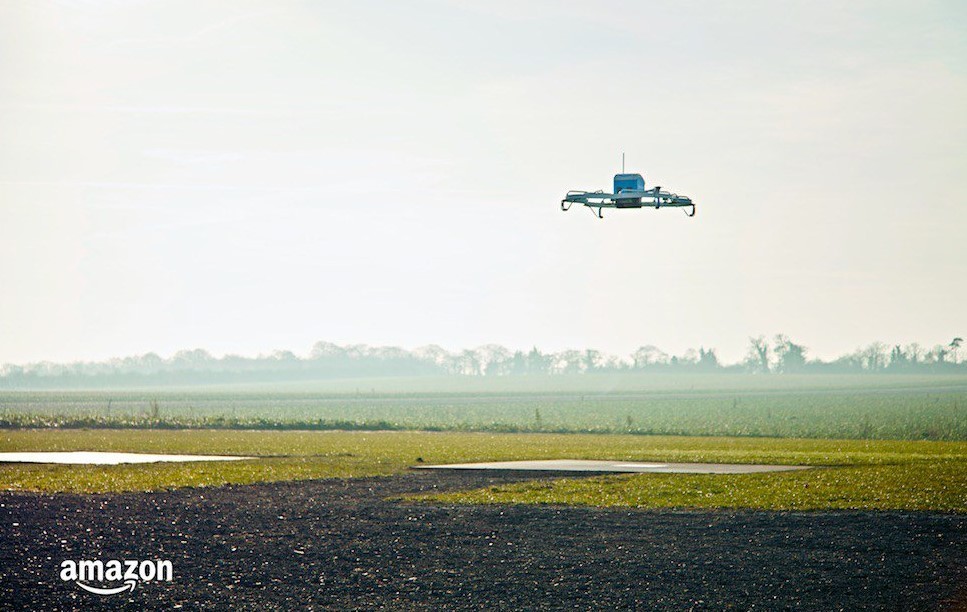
(629, 192)
(654, 198)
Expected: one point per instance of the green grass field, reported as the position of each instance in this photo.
(805, 406)
(916, 485)
(887, 441)
(873, 474)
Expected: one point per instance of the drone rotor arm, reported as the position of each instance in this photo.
(597, 201)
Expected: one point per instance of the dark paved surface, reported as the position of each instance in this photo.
(340, 545)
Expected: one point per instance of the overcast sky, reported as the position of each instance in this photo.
(250, 176)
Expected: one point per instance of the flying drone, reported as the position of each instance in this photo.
(629, 192)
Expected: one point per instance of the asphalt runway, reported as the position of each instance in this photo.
(347, 545)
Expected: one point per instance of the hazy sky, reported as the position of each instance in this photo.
(248, 176)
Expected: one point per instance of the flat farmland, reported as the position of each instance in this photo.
(841, 406)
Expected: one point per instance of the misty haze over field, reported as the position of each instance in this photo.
(330, 361)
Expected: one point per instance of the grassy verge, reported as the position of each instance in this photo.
(868, 474)
(934, 486)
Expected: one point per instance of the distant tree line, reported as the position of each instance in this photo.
(784, 356)
(326, 360)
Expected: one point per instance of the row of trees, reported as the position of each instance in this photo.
(326, 360)
(785, 356)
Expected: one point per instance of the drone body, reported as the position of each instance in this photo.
(629, 192)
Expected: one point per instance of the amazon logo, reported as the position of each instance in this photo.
(128, 571)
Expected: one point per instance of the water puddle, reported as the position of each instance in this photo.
(578, 465)
(99, 458)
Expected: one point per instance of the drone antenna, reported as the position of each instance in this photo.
(622, 162)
